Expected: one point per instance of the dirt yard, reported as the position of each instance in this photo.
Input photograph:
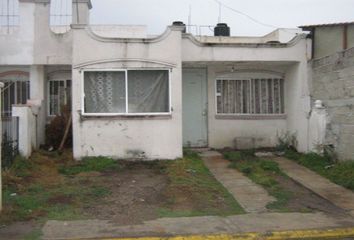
(52, 186)
(137, 193)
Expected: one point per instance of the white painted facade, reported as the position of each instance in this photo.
(47, 55)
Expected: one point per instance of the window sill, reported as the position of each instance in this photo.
(251, 116)
(124, 117)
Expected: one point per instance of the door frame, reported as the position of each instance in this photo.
(205, 96)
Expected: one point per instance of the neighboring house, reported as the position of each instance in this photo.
(135, 96)
(332, 81)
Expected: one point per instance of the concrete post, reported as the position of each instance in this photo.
(26, 128)
(317, 127)
(37, 94)
(1, 86)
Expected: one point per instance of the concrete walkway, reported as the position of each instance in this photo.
(252, 197)
(255, 222)
(338, 195)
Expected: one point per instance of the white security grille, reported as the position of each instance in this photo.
(250, 96)
(59, 95)
(9, 18)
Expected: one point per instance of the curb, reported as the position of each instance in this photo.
(276, 235)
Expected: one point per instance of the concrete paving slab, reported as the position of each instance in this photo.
(252, 197)
(255, 222)
(334, 193)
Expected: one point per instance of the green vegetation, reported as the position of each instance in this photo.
(34, 189)
(262, 172)
(206, 196)
(34, 235)
(90, 164)
(61, 202)
(341, 173)
(21, 166)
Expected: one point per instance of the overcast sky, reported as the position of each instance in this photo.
(157, 14)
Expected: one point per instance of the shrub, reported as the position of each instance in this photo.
(9, 151)
(286, 140)
(56, 128)
(233, 156)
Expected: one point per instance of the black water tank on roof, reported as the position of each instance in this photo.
(180, 23)
(222, 29)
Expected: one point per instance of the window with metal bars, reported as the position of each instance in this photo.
(9, 16)
(14, 92)
(250, 96)
(59, 92)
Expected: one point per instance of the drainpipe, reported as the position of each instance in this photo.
(1, 86)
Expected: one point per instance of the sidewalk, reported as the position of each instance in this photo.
(334, 193)
(262, 223)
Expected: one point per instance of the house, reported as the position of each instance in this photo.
(136, 96)
(331, 78)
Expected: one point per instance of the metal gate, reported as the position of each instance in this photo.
(10, 135)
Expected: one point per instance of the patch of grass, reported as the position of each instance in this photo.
(39, 192)
(99, 191)
(168, 213)
(90, 164)
(64, 212)
(240, 155)
(291, 154)
(36, 234)
(262, 172)
(341, 173)
(21, 166)
(206, 196)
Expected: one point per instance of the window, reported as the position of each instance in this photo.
(250, 96)
(9, 18)
(60, 15)
(126, 92)
(16, 91)
(59, 92)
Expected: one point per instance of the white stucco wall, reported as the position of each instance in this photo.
(120, 31)
(33, 42)
(158, 137)
(298, 105)
(17, 48)
(49, 48)
(289, 59)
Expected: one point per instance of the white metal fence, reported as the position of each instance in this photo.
(10, 136)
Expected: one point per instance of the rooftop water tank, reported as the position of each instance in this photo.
(222, 29)
(180, 23)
